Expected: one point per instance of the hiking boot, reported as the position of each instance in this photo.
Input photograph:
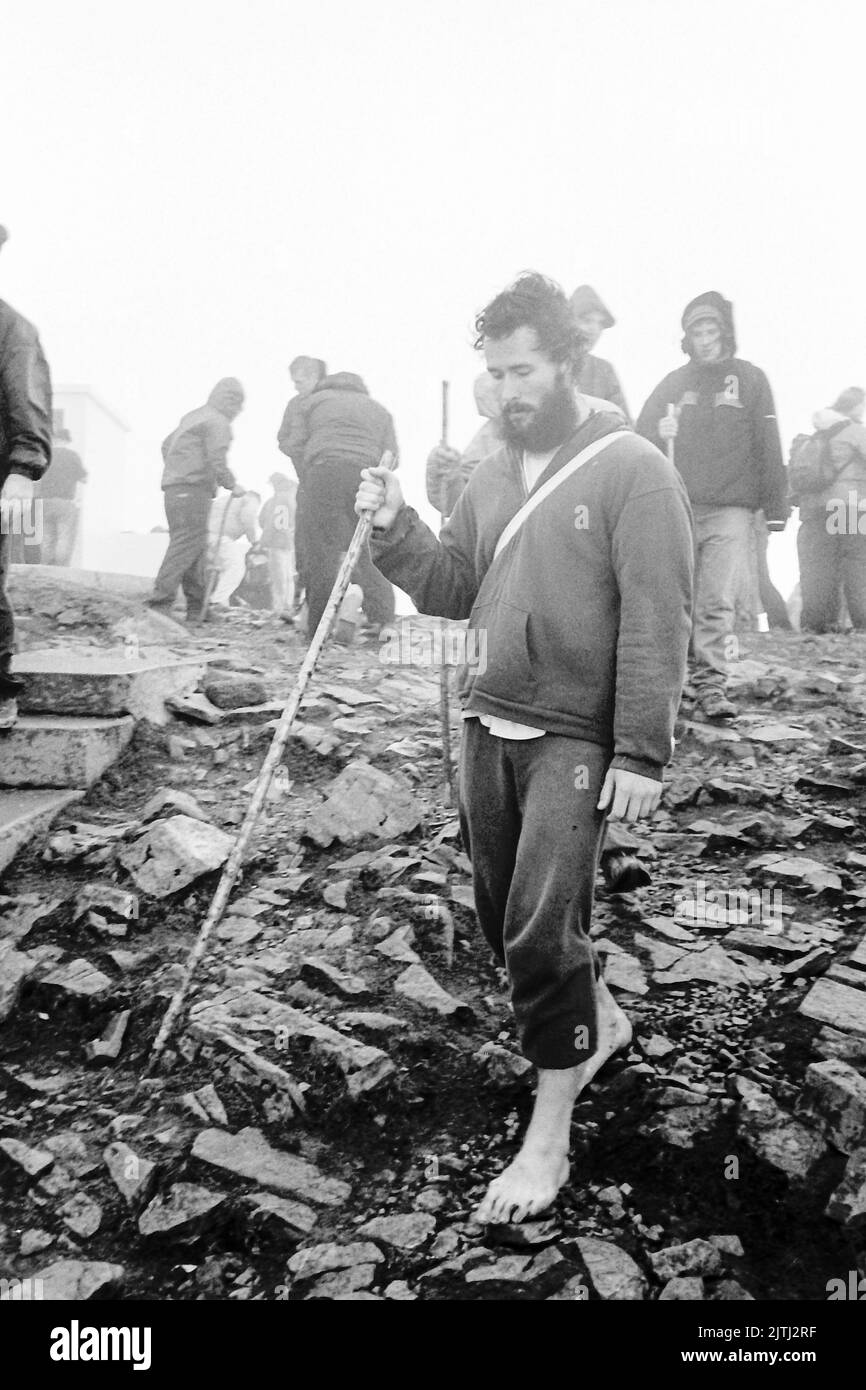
(714, 704)
(623, 872)
(8, 713)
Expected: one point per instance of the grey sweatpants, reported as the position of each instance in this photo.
(531, 828)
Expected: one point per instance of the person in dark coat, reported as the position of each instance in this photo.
(25, 448)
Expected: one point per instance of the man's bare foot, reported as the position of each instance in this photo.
(530, 1183)
(528, 1186)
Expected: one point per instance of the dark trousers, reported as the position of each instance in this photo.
(186, 511)
(830, 565)
(9, 684)
(301, 531)
(531, 828)
(329, 524)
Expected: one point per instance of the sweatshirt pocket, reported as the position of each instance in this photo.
(501, 634)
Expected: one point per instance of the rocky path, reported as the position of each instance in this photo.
(346, 1080)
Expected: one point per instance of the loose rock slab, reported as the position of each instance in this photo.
(249, 1155)
(173, 853)
(418, 984)
(362, 801)
(181, 1214)
(613, 1272)
(408, 1231)
(76, 1281)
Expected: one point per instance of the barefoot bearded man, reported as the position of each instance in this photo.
(570, 552)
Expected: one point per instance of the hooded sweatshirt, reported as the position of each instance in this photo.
(727, 448)
(195, 455)
(584, 619)
(597, 376)
(339, 421)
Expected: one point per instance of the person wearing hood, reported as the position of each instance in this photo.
(570, 554)
(597, 377)
(729, 455)
(25, 450)
(195, 458)
(334, 432)
(831, 548)
(448, 471)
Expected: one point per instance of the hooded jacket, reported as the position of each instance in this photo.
(597, 376)
(338, 420)
(583, 621)
(25, 398)
(444, 488)
(195, 455)
(727, 449)
(844, 479)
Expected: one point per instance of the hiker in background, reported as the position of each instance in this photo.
(232, 528)
(306, 373)
(59, 492)
(277, 520)
(585, 611)
(727, 449)
(597, 377)
(827, 474)
(196, 465)
(335, 432)
(25, 451)
(756, 592)
(448, 471)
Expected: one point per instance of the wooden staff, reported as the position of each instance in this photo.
(263, 781)
(444, 670)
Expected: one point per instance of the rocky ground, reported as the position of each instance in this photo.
(345, 1081)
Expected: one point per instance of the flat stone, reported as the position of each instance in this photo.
(728, 1245)
(711, 964)
(408, 1231)
(759, 943)
(177, 803)
(774, 1135)
(839, 1005)
(419, 986)
(612, 1271)
(316, 1260)
(81, 1215)
(625, 973)
(503, 1066)
(363, 801)
(106, 1048)
(831, 1043)
(376, 1022)
(34, 1241)
(132, 1175)
(508, 1269)
(239, 930)
(683, 1290)
(173, 853)
(235, 692)
(396, 947)
(103, 683)
(813, 963)
(54, 752)
(731, 1291)
(657, 1046)
(78, 979)
(107, 898)
(836, 1093)
(249, 1155)
(32, 1162)
(77, 1281)
(25, 816)
(182, 1213)
(343, 1283)
(287, 1217)
(15, 968)
(322, 975)
(212, 1105)
(693, 1257)
(78, 1157)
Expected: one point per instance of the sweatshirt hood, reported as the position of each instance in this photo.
(710, 305)
(486, 398)
(227, 395)
(343, 381)
(586, 301)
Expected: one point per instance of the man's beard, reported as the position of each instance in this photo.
(543, 427)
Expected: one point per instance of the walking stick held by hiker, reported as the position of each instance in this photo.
(444, 678)
(672, 415)
(213, 572)
(263, 781)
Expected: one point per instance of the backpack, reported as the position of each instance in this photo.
(809, 468)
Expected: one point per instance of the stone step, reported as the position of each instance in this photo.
(48, 751)
(26, 814)
(103, 683)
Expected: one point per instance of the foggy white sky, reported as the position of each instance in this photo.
(202, 188)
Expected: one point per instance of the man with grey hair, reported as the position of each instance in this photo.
(25, 449)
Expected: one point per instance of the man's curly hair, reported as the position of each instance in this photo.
(534, 301)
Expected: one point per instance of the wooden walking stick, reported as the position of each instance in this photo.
(263, 781)
(444, 676)
(672, 415)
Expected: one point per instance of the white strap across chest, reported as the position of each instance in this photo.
(590, 452)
